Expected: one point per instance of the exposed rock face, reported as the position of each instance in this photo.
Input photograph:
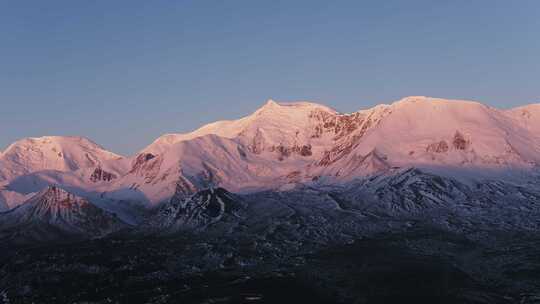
(327, 122)
(306, 150)
(459, 142)
(58, 213)
(284, 152)
(100, 175)
(241, 151)
(141, 160)
(349, 130)
(147, 165)
(294, 176)
(258, 143)
(343, 125)
(184, 188)
(439, 147)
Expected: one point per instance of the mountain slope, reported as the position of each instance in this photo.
(527, 116)
(51, 153)
(274, 126)
(11, 199)
(55, 213)
(189, 166)
(202, 209)
(423, 131)
(272, 147)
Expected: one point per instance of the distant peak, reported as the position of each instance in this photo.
(271, 102)
(54, 140)
(53, 190)
(426, 100)
(53, 193)
(268, 105)
(301, 105)
(413, 99)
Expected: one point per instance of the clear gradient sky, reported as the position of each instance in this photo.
(124, 72)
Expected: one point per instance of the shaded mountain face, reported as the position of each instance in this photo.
(11, 199)
(198, 211)
(3, 204)
(55, 213)
(394, 201)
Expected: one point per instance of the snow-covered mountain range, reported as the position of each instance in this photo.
(280, 147)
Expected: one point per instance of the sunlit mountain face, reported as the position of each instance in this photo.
(423, 200)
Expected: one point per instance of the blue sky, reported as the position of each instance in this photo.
(124, 72)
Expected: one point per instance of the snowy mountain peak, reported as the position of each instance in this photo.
(61, 153)
(423, 101)
(54, 202)
(270, 103)
(56, 213)
(412, 99)
(55, 193)
(299, 106)
(272, 119)
(53, 140)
